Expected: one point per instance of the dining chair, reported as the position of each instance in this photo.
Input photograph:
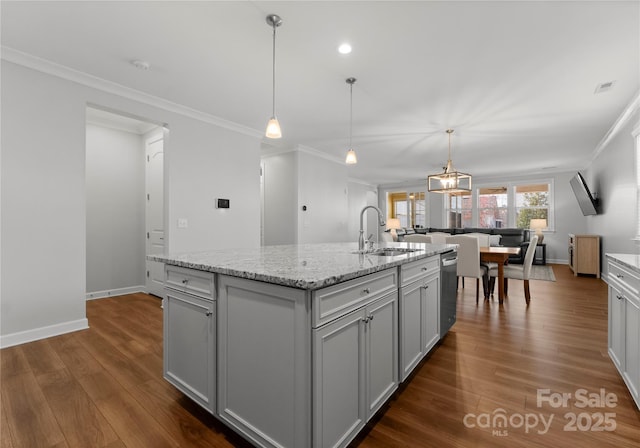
(386, 237)
(520, 272)
(483, 240)
(438, 237)
(469, 261)
(417, 238)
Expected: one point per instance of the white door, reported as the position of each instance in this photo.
(154, 214)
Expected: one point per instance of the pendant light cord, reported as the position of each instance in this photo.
(273, 102)
(350, 116)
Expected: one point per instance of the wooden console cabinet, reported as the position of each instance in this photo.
(584, 254)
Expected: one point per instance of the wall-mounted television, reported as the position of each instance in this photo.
(588, 204)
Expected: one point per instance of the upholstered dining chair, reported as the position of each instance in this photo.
(438, 237)
(469, 261)
(386, 237)
(521, 272)
(417, 238)
(483, 240)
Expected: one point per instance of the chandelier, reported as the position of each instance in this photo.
(450, 180)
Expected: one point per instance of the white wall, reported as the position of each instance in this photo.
(361, 195)
(613, 176)
(322, 188)
(205, 162)
(43, 253)
(115, 176)
(280, 198)
(300, 179)
(43, 197)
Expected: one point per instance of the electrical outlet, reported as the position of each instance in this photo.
(183, 223)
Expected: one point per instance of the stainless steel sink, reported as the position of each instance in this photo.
(392, 251)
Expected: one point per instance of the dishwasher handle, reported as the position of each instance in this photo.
(449, 261)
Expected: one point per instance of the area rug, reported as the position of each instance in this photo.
(542, 273)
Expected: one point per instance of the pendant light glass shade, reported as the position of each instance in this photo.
(351, 158)
(273, 127)
(450, 180)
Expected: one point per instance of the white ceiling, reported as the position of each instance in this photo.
(514, 79)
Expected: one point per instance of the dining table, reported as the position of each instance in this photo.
(499, 255)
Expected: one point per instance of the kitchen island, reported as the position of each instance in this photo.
(299, 345)
(623, 279)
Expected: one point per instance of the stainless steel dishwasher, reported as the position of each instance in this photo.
(448, 290)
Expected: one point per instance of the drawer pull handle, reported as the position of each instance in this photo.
(425, 286)
(371, 317)
(209, 313)
(185, 281)
(424, 268)
(619, 297)
(367, 319)
(619, 275)
(366, 291)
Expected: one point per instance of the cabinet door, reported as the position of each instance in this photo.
(189, 346)
(381, 331)
(339, 380)
(431, 316)
(264, 359)
(411, 329)
(632, 347)
(616, 327)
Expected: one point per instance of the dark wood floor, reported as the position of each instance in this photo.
(103, 387)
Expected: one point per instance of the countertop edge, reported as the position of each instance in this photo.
(300, 283)
(630, 261)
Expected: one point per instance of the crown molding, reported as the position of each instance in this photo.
(51, 68)
(362, 182)
(622, 120)
(322, 155)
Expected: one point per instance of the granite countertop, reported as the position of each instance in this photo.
(632, 261)
(304, 266)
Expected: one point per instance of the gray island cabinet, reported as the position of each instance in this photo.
(624, 318)
(298, 346)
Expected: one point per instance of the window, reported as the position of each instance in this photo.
(408, 207)
(492, 207)
(504, 204)
(532, 202)
(460, 210)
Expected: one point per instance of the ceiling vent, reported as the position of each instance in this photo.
(604, 87)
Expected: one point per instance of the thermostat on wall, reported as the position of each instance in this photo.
(222, 203)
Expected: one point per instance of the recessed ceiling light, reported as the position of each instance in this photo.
(344, 48)
(141, 65)
(603, 87)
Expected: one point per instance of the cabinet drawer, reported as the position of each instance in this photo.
(198, 283)
(337, 300)
(624, 277)
(412, 271)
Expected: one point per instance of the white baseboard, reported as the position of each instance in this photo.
(116, 292)
(23, 337)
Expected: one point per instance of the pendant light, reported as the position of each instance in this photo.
(449, 181)
(273, 127)
(351, 154)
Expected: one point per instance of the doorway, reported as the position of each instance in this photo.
(125, 203)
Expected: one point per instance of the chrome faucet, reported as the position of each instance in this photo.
(361, 242)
